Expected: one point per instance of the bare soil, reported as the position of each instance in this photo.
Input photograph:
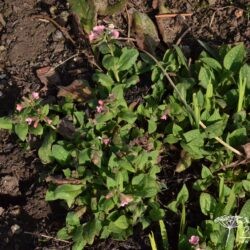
(29, 42)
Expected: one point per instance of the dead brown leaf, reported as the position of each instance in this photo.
(78, 90)
(155, 4)
(58, 181)
(238, 13)
(66, 128)
(47, 75)
(246, 148)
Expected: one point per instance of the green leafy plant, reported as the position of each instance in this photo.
(110, 157)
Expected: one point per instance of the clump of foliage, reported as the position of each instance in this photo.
(109, 148)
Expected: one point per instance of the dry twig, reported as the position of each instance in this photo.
(38, 235)
(62, 29)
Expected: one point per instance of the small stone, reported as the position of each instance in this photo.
(57, 36)
(2, 76)
(1, 211)
(15, 211)
(9, 185)
(63, 18)
(2, 21)
(15, 229)
(53, 10)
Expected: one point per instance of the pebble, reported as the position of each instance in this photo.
(2, 76)
(1, 211)
(15, 211)
(57, 36)
(15, 229)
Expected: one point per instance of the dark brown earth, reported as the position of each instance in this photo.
(29, 42)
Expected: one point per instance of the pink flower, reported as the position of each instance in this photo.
(99, 29)
(96, 32)
(106, 141)
(164, 117)
(35, 95)
(46, 119)
(19, 107)
(125, 199)
(194, 240)
(109, 195)
(36, 123)
(115, 33)
(100, 107)
(29, 120)
(92, 36)
(101, 102)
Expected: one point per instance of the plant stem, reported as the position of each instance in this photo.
(189, 109)
(242, 89)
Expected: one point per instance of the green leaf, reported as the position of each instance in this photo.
(127, 59)
(79, 245)
(212, 63)
(45, 110)
(184, 163)
(148, 187)
(84, 155)
(36, 131)
(85, 9)
(131, 81)
(63, 234)
(152, 126)
(206, 173)
(246, 185)
(245, 211)
(181, 56)
(110, 62)
(173, 206)
(21, 130)
(237, 137)
(245, 74)
(207, 203)
(5, 123)
(104, 79)
(164, 235)
(72, 219)
(156, 214)
(122, 222)
(67, 192)
(215, 129)
(183, 195)
(231, 201)
(234, 57)
(152, 241)
(192, 135)
(110, 182)
(59, 153)
(90, 230)
(137, 179)
(128, 116)
(44, 151)
(205, 77)
(171, 139)
(79, 115)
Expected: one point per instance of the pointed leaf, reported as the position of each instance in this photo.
(67, 192)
